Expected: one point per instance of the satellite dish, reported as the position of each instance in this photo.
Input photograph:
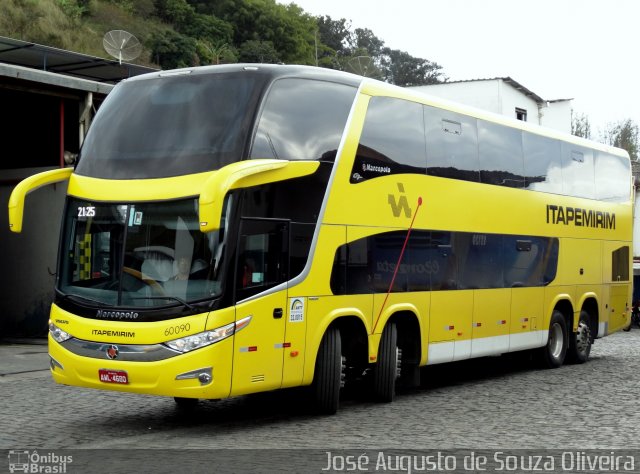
(121, 45)
(362, 65)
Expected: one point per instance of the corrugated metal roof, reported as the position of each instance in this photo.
(46, 58)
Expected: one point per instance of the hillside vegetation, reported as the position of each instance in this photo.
(180, 33)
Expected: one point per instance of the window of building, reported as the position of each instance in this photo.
(521, 114)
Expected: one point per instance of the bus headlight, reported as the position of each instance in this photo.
(206, 338)
(58, 334)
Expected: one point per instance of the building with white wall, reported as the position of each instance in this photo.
(503, 95)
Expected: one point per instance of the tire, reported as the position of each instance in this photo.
(555, 351)
(387, 370)
(327, 378)
(580, 341)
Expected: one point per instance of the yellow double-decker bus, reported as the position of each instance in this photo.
(242, 228)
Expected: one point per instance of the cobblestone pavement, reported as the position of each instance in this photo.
(495, 403)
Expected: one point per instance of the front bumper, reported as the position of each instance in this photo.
(150, 369)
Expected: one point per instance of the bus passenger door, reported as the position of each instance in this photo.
(262, 264)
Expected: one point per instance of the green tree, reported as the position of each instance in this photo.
(289, 30)
(216, 53)
(254, 51)
(75, 9)
(206, 27)
(334, 34)
(364, 39)
(402, 69)
(580, 126)
(172, 50)
(623, 134)
(173, 11)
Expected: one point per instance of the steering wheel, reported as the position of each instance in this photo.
(144, 279)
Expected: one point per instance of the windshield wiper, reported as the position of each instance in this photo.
(87, 300)
(174, 298)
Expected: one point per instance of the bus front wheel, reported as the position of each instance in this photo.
(554, 353)
(328, 376)
(387, 369)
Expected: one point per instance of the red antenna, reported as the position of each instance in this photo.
(395, 271)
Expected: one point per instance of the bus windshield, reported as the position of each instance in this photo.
(139, 255)
(170, 126)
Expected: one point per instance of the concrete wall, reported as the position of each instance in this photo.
(28, 259)
(484, 95)
(557, 115)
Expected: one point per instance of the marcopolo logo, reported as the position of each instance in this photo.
(102, 314)
(27, 461)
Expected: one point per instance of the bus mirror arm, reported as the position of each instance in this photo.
(24, 187)
(244, 174)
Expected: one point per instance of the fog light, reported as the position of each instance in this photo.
(204, 378)
(204, 375)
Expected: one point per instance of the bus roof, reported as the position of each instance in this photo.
(274, 71)
(375, 87)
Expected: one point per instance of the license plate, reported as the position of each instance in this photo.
(113, 376)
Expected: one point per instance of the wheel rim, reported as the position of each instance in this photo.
(398, 362)
(583, 338)
(556, 341)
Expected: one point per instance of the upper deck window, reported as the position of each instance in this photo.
(392, 140)
(303, 119)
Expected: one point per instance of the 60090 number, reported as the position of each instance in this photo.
(170, 331)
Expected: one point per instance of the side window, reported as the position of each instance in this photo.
(358, 268)
(452, 145)
(303, 119)
(262, 256)
(577, 171)
(299, 247)
(444, 261)
(542, 165)
(620, 264)
(613, 181)
(482, 265)
(439, 261)
(338, 280)
(352, 273)
(529, 261)
(500, 150)
(392, 140)
(419, 261)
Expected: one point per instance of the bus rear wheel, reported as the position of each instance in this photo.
(328, 376)
(554, 353)
(580, 341)
(387, 370)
